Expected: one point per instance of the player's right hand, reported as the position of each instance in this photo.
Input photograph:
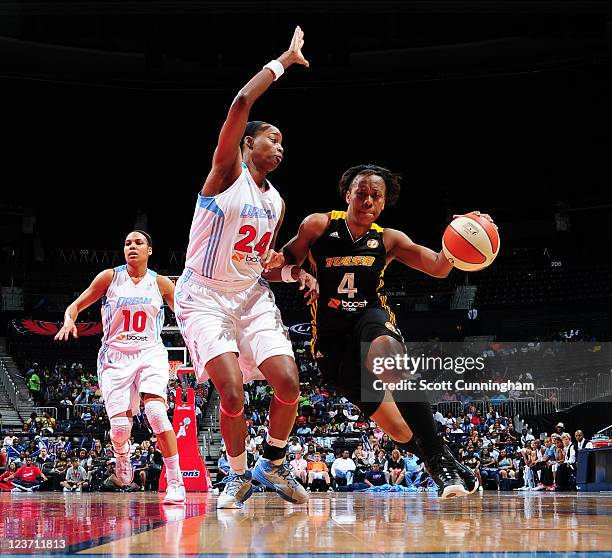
(293, 55)
(307, 280)
(64, 333)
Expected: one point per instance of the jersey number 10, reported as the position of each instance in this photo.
(139, 321)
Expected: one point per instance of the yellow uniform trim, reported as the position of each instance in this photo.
(335, 215)
(383, 298)
(313, 308)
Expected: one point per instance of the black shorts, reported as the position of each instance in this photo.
(337, 347)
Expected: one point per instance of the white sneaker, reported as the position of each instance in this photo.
(78, 489)
(175, 493)
(123, 467)
(238, 488)
(67, 489)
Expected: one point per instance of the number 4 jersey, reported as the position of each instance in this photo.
(132, 314)
(231, 231)
(350, 273)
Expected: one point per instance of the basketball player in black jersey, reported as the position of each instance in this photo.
(348, 254)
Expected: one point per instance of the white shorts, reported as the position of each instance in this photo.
(214, 321)
(124, 376)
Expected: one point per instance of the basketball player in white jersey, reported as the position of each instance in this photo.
(225, 310)
(133, 360)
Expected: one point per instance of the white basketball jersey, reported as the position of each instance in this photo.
(132, 315)
(231, 231)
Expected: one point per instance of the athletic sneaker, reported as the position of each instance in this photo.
(238, 489)
(467, 475)
(175, 493)
(445, 473)
(540, 487)
(280, 479)
(123, 467)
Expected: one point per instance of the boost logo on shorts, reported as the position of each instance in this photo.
(346, 305)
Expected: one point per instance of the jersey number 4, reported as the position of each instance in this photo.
(347, 285)
(244, 245)
(139, 321)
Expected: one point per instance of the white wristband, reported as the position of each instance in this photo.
(276, 68)
(286, 274)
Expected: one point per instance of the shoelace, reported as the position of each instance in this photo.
(284, 471)
(233, 484)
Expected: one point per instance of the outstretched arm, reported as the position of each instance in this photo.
(94, 292)
(401, 248)
(227, 158)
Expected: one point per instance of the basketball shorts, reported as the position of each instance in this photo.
(124, 376)
(337, 347)
(245, 322)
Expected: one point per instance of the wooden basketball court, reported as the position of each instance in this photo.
(488, 523)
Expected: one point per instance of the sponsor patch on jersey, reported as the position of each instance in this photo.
(372, 243)
(392, 328)
(131, 337)
(247, 258)
(347, 305)
(339, 261)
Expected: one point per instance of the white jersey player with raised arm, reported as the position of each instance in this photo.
(223, 304)
(132, 359)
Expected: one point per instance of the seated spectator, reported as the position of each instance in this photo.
(488, 468)
(299, 468)
(581, 442)
(140, 463)
(26, 477)
(58, 473)
(76, 478)
(412, 471)
(10, 440)
(110, 483)
(566, 470)
(317, 471)
(505, 466)
(396, 467)
(3, 459)
(375, 477)
(343, 469)
(294, 445)
(7, 485)
(47, 425)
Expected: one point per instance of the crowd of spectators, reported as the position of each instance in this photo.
(58, 463)
(335, 447)
(332, 447)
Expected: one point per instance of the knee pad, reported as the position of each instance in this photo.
(120, 430)
(157, 416)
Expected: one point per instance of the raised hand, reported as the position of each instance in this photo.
(293, 55)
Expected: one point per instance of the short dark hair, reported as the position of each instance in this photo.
(253, 128)
(146, 235)
(392, 180)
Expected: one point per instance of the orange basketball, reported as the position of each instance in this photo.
(471, 242)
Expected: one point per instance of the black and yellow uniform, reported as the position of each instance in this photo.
(351, 309)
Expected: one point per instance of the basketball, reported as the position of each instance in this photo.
(471, 242)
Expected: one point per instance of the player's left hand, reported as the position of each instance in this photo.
(307, 280)
(478, 214)
(272, 260)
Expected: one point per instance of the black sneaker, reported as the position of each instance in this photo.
(466, 474)
(445, 473)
